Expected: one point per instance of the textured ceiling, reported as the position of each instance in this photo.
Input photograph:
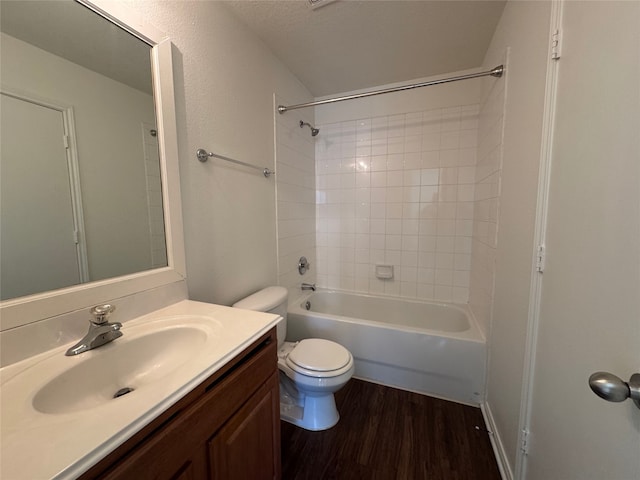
(353, 44)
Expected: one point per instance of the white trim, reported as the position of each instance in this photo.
(33, 308)
(535, 293)
(496, 442)
(76, 192)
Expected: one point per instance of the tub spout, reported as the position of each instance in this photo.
(309, 286)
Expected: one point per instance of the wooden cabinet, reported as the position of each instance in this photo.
(226, 428)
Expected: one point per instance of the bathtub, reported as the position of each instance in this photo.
(431, 348)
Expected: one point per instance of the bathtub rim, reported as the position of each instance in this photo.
(474, 333)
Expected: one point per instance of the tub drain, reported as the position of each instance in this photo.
(122, 391)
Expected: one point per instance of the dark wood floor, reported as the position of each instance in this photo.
(390, 434)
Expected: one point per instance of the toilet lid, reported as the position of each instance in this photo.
(319, 355)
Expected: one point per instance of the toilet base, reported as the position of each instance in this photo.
(316, 413)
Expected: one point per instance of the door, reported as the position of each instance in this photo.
(590, 307)
(38, 249)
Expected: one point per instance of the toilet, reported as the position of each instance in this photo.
(311, 370)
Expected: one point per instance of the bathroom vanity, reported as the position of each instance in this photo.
(226, 428)
(202, 401)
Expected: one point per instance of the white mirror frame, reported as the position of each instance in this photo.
(32, 308)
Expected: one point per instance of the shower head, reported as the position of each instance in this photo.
(314, 131)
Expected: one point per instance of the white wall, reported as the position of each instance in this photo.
(108, 118)
(524, 30)
(225, 81)
(394, 179)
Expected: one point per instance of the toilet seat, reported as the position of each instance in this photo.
(315, 357)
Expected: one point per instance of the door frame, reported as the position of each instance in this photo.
(540, 233)
(68, 121)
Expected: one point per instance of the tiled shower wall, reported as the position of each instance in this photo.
(295, 196)
(487, 196)
(398, 190)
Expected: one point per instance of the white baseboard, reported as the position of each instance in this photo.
(496, 442)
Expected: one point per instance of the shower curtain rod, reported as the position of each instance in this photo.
(494, 72)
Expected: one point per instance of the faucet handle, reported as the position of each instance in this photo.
(101, 312)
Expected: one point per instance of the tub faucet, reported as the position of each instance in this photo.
(100, 331)
(309, 286)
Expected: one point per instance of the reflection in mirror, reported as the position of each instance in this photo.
(80, 192)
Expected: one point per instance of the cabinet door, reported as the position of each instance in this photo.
(248, 446)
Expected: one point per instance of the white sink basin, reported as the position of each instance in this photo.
(124, 365)
(63, 407)
(147, 354)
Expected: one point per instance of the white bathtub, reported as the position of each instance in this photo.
(431, 348)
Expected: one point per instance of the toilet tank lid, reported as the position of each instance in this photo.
(264, 300)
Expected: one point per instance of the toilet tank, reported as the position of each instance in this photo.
(270, 300)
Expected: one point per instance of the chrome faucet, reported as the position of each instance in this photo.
(100, 331)
(309, 286)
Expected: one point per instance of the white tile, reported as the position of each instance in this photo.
(447, 210)
(430, 142)
(411, 194)
(466, 175)
(448, 193)
(431, 159)
(412, 160)
(428, 227)
(395, 146)
(362, 256)
(428, 194)
(395, 178)
(449, 158)
(362, 195)
(378, 163)
(449, 140)
(430, 176)
(378, 179)
(425, 291)
(444, 276)
(393, 226)
(445, 244)
(428, 210)
(394, 194)
(377, 243)
(392, 257)
(393, 210)
(395, 161)
(448, 176)
(426, 275)
(378, 195)
(412, 177)
(443, 293)
(378, 210)
(427, 260)
(460, 295)
(445, 260)
(411, 210)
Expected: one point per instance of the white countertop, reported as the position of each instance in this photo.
(36, 445)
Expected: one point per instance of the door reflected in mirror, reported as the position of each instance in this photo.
(80, 183)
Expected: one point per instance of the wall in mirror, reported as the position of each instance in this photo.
(80, 189)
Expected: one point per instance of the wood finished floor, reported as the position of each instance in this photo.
(390, 434)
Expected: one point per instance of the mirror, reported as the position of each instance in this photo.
(80, 193)
(89, 158)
